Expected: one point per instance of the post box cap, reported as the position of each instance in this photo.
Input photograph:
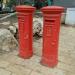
(53, 9)
(24, 8)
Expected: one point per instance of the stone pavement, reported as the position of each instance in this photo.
(12, 64)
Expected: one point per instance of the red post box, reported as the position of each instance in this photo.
(52, 17)
(25, 14)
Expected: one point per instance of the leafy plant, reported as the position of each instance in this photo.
(11, 3)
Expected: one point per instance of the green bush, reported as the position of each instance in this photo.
(11, 3)
(28, 3)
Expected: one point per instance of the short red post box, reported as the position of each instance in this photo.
(52, 17)
(25, 14)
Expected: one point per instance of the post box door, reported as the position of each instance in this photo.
(48, 36)
(24, 32)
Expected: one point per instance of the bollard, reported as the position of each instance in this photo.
(52, 17)
(25, 14)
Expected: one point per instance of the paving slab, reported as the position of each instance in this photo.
(35, 73)
(66, 67)
(19, 70)
(4, 72)
(4, 64)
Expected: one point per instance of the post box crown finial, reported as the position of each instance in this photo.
(24, 7)
(53, 8)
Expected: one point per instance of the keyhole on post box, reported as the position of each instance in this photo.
(26, 36)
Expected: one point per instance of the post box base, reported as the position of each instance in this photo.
(25, 56)
(49, 63)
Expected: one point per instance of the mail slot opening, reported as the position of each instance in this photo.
(50, 21)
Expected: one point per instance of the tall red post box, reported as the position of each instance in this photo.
(52, 17)
(25, 18)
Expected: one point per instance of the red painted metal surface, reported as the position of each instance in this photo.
(25, 14)
(52, 17)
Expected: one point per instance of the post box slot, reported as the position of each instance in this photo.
(47, 20)
(51, 21)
